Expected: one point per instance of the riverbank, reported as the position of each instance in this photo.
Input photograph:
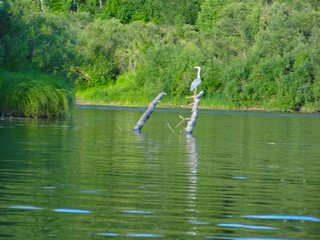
(207, 103)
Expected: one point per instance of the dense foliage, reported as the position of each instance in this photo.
(254, 54)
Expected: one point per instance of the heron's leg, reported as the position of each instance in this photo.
(195, 92)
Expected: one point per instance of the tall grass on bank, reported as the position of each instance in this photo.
(110, 96)
(120, 96)
(33, 94)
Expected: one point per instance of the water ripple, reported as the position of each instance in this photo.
(244, 238)
(138, 235)
(24, 207)
(71, 210)
(90, 191)
(283, 217)
(137, 211)
(107, 234)
(239, 178)
(237, 225)
(143, 235)
(199, 222)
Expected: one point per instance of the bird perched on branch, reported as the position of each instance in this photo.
(195, 83)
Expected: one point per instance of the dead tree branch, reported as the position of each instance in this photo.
(148, 112)
(193, 119)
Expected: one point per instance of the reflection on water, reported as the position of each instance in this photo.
(240, 176)
(192, 165)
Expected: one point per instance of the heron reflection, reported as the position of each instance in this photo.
(193, 167)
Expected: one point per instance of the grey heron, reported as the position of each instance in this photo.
(195, 83)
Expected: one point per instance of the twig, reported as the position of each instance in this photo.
(170, 128)
(119, 127)
(183, 119)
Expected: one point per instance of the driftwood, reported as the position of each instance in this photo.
(193, 119)
(148, 112)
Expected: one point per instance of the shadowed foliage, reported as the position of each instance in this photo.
(254, 54)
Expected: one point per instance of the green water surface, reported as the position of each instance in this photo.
(242, 175)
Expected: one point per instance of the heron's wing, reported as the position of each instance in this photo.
(195, 83)
(192, 86)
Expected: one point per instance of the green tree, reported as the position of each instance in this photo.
(286, 55)
(210, 13)
(226, 39)
(171, 12)
(96, 53)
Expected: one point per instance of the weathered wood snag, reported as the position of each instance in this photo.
(148, 112)
(193, 119)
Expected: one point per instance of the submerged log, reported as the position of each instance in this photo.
(193, 119)
(148, 112)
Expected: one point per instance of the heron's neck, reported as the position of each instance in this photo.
(199, 73)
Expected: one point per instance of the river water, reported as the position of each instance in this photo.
(242, 176)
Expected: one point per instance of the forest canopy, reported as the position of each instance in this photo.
(254, 54)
